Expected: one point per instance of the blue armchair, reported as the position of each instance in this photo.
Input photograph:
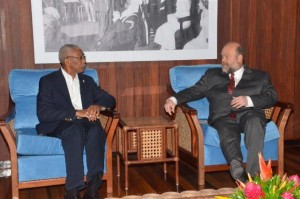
(33, 156)
(200, 142)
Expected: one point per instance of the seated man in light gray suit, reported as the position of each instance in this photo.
(237, 96)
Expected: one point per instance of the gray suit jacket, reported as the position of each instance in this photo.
(213, 85)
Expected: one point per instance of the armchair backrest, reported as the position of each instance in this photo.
(182, 77)
(24, 86)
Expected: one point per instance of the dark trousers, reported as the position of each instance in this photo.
(252, 123)
(76, 136)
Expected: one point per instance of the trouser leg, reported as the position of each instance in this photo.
(230, 138)
(253, 124)
(95, 149)
(73, 145)
(75, 136)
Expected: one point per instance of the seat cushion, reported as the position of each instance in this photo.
(30, 143)
(214, 156)
(182, 77)
(212, 151)
(211, 137)
(41, 157)
(44, 167)
(23, 86)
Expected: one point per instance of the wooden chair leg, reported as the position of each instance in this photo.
(177, 173)
(126, 176)
(201, 173)
(14, 186)
(118, 165)
(280, 166)
(109, 184)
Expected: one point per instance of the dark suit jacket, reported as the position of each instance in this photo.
(213, 85)
(54, 103)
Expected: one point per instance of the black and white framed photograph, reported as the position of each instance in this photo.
(126, 30)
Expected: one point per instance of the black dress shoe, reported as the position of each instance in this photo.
(72, 194)
(94, 196)
(93, 185)
(237, 171)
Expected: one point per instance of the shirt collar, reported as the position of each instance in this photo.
(239, 73)
(68, 77)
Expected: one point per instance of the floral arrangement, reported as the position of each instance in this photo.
(267, 186)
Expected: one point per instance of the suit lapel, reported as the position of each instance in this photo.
(62, 86)
(247, 75)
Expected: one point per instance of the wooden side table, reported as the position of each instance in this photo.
(153, 139)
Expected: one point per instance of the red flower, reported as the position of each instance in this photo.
(287, 195)
(253, 191)
(265, 170)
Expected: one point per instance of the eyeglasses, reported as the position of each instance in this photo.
(81, 57)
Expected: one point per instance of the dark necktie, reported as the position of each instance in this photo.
(230, 88)
(231, 84)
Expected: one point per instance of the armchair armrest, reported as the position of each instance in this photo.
(190, 131)
(6, 129)
(9, 112)
(191, 134)
(109, 120)
(279, 114)
(110, 113)
(6, 126)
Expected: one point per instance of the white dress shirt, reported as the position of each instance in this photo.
(74, 89)
(237, 77)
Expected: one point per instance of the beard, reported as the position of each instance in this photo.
(227, 69)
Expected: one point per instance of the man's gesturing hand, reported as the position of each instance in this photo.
(238, 102)
(169, 106)
(91, 113)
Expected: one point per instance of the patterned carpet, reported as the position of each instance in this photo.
(205, 193)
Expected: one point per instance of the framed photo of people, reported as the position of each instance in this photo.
(126, 30)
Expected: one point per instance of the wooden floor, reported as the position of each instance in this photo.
(151, 179)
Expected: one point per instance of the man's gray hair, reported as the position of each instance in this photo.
(63, 52)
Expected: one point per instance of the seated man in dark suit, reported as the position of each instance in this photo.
(68, 106)
(237, 96)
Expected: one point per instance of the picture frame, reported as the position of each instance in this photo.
(43, 55)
